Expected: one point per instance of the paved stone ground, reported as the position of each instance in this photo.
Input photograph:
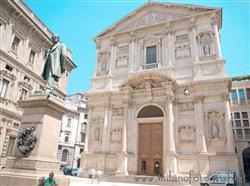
(76, 181)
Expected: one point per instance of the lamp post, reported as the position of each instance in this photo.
(186, 91)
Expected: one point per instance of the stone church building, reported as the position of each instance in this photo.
(140, 120)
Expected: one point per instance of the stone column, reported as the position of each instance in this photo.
(98, 46)
(86, 144)
(106, 126)
(200, 129)
(45, 115)
(228, 126)
(112, 56)
(123, 155)
(169, 159)
(214, 22)
(170, 46)
(195, 53)
(132, 52)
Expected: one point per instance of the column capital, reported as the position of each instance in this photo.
(98, 44)
(192, 23)
(169, 99)
(214, 18)
(132, 36)
(169, 29)
(199, 99)
(225, 96)
(113, 41)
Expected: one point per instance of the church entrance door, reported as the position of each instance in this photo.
(150, 149)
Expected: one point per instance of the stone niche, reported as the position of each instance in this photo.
(206, 45)
(103, 63)
(96, 129)
(215, 125)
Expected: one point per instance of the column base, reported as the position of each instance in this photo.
(122, 169)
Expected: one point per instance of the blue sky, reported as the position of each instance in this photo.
(78, 21)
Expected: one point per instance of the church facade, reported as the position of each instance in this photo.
(140, 120)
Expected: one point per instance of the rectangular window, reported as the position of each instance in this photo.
(3, 87)
(24, 94)
(248, 93)
(32, 57)
(236, 115)
(241, 94)
(81, 150)
(237, 123)
(26, 79)
(66, 136)
(15, 44)
(245, 123)
(239, 133)
(9, 68)
(234, 97)
(247, 133)
(244, 115)
(151, 54)
(86, 116)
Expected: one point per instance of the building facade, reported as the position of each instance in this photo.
(24, 40)
(240, 114)
(140, 121)
(73, 131)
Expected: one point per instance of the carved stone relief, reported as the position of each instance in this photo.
(150, 18)
(118, 111)
(215, 120)
(103, 61)
(121, 62)
(188, 106)
(187, 134)
(96, 128)
(116, 135)
(182, 47)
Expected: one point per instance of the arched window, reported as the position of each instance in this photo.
(246, 162)
(150, 111)
(65, 154)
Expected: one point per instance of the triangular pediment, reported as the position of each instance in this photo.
(153, 13)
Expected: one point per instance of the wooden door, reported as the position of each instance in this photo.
(150, 149)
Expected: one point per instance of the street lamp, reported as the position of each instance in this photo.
(186, 91)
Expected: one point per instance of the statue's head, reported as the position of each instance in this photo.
(55, 38)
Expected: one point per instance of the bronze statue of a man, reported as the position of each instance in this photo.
(54, 63)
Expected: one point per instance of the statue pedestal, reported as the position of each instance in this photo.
(45, 115)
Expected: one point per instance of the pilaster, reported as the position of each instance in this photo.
(199, 120)
(229, 132)
(214, 23)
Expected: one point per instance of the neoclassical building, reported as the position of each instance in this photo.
(73, 131)
(240, 114)
(140, 121)
(24, 38)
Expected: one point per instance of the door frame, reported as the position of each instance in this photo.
(149, 120)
